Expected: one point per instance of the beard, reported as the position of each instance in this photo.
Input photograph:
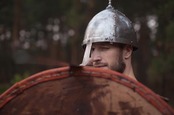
(120, 65)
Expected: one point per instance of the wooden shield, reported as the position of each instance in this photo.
(81, 91)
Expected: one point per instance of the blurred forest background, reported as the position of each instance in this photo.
(36, 35)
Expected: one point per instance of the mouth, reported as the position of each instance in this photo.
(100, 66)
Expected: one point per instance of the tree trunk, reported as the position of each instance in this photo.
(16, 24)
(143, 53)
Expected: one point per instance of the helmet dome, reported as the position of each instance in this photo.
(110, 25)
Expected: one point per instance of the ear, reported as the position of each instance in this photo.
(127, 52)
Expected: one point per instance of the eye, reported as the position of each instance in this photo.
(103, 48)
(92, 49)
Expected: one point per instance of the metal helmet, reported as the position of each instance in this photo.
(109, 25)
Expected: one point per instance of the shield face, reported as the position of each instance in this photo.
(81, 91)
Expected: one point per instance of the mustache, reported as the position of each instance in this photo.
(99, 64)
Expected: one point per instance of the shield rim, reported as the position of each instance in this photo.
(69, 71)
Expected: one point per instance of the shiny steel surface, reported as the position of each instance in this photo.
(110, 25)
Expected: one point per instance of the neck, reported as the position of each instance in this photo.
(129, 71)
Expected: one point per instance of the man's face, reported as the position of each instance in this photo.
(107, 56)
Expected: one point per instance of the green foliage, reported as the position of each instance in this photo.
(4, 87)
(170, 32)
(19, 77)
(161, 66)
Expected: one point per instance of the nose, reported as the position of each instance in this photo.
(96, 56)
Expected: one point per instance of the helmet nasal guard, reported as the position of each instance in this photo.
(109, 25)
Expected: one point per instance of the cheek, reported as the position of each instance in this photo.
(111, 57)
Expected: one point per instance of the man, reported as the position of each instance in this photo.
(109, 42)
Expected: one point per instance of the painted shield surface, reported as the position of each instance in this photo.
(81, 91)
